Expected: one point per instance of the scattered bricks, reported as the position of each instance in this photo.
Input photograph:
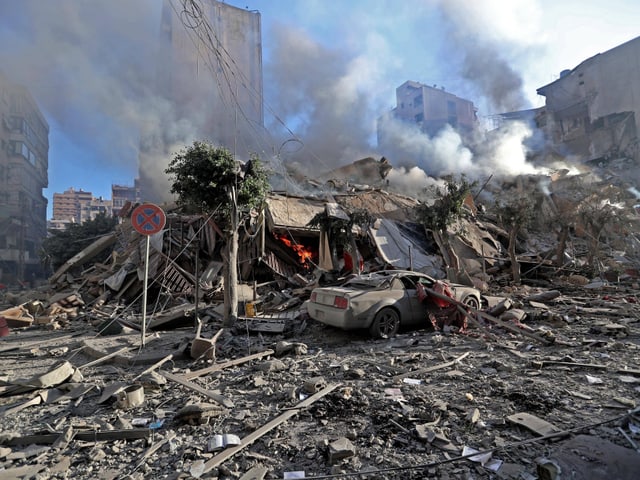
(340, 449)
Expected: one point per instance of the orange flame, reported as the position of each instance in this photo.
(304, 254)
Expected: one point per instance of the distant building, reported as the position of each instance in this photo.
(122, 195)
(69, 205)
(593, 110)
(24, 161)
(96, 206)
(433, 108)
(210, 72)
(77, 206)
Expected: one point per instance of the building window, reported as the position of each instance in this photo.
(419, 117)
(20, 148)
(451, 108)
(417, 101)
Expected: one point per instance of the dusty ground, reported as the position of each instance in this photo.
(386, 409)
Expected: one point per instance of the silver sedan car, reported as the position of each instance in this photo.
(381, 302)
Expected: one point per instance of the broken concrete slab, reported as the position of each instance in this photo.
(535, 424)
(339, 450)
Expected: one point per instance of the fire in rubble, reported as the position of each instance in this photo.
(305, 254)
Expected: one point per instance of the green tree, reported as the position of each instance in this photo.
(209, 179)
(61, 245)
(444, 211)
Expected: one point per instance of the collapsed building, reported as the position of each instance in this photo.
(592, 111)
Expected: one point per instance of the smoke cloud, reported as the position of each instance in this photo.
(317, 92)
(487, 38)
(93, 67)
(79, 62)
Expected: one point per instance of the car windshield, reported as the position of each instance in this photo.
(367, 282)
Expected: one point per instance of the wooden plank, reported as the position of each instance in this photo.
(116, 353)
(252, 437)
(58, 339)
(433, 368)
(103, 436)
(221, 366)
(208, 393)
(85, 255)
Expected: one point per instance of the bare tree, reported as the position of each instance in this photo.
(601, 212)
(514, 215)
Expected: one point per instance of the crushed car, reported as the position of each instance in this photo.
(383, 302)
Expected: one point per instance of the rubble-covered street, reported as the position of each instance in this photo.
(325, 402)
(544, 381)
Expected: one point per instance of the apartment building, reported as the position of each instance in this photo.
(24, 160)
(593, 110)
(69, 205)
(77, 206)
(433, 108)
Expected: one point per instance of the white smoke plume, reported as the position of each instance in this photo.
(488, 37)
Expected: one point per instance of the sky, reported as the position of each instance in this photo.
(330, 70)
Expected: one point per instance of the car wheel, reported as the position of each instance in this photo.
(385, 324)
(472, 302)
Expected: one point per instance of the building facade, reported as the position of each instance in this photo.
(593, 111)
(122, 195)
(77, 206)
(24, 162)
(69, 205)
(210, 74)
(433, 108)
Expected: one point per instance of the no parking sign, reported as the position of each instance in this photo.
(148, 219)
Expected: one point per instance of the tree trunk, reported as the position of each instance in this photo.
(515, 266)
(562, 245)
(448, 255)
(594, 245)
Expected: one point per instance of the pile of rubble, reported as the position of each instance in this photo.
(96, 387)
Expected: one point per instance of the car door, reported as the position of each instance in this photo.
(416, 313)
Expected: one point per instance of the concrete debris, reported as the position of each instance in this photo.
(278, 394)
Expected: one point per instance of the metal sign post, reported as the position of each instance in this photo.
(147, 219)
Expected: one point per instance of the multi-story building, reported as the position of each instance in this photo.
(24, 159)
(433, 108)
(210, 73)
(123, 194)
(96, 206)
(77, 206)
(69, 204)
(592, 112)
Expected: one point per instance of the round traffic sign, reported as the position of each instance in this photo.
(148, 219)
